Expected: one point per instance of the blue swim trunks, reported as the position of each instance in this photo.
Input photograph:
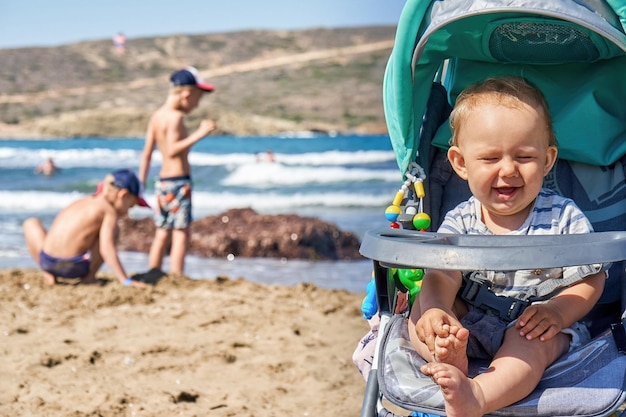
(173, 197)
(74, 267)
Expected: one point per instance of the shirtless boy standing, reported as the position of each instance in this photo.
(83, 235)
(167, 131)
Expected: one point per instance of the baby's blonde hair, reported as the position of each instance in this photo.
(507, 91)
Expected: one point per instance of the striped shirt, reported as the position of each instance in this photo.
(552, 214)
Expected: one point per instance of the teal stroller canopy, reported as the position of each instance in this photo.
(573, 50)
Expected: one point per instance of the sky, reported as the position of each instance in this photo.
(35, 23)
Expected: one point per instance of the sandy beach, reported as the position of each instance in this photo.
(219, 347)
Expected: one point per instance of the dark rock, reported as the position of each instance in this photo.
(246, 233)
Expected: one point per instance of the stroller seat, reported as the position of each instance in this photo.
(592, 375)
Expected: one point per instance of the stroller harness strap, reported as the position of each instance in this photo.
(570, 276)
(476, 291)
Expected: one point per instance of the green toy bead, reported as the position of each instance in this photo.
(421, 221)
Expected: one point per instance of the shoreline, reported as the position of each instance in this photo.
(190, 347)
(352, 276)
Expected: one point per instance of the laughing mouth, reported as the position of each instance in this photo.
(506, 191)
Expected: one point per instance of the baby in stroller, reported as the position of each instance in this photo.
(503, 145)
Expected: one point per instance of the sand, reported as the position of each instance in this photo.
(218, 347)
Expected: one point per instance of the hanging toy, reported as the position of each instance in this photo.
(413, 215)
(393, 211)
(421, 220)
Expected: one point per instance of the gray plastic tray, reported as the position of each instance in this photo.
(398, 248)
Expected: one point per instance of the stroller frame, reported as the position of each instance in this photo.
(434, 57)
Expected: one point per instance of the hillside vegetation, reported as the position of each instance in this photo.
(267, 82)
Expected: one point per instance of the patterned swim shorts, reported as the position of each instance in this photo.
(173, 203)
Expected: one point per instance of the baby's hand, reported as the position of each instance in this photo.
(206, 126)
(434, 322)
(539, 320)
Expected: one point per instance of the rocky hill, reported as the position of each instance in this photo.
(266, 82)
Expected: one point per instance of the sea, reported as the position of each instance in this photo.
(347, 180)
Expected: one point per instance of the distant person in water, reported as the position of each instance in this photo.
(269, 157)
(167, 131)
(83, 235)
(47, 168)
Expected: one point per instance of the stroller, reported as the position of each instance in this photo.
(575, 52)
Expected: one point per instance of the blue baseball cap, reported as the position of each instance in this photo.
(189, 76)
(125, 178)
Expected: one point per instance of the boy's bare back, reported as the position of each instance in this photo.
(77, 227)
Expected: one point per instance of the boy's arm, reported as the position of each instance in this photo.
(176, 140)
(146, 155)
(108, 231)
(545, 320)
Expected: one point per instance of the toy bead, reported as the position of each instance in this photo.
(394, 225)
(411, 210)
(421, 221)
(392, 213)
(398, 198)
(419, 189)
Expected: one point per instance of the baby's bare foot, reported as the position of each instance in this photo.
(452, 349)
(463, 397)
